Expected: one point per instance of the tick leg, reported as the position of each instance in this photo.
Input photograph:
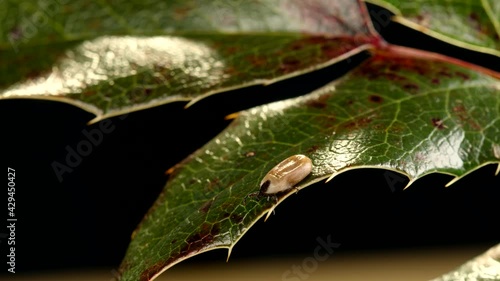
(253, 194)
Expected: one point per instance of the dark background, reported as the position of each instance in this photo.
(86, 220)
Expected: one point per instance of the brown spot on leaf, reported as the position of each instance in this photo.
(376, 98)
(291, 61)
(232, 50)
(411, 87)
(230, 70)
(350, 125)
(312, 149)
(297, 45)
(181, 12)
(473, 16)
(290, 64)
(320, 102)
(94, 24)
(324, 120)
(475, 22)
(235, 218)
(148, 274)
(159, 68)
(394, 77)
(464, 117)
(396, 69)
(206, 206)
(358, 123)
(445, 73)
(380, 126)
(438, 123)
(213, 183)
(15, 33)
(462, 75)
(32, 74)
(330, 47)
(124, 266)
(195, 243)
(316, 104)
(374, 69)
(199, 240)
(257, 60)
(330, 119)
(89, 93)
(364, 121)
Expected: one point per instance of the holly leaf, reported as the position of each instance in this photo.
(109, 59)
(469, 24)
(485, 267)
(406, 114)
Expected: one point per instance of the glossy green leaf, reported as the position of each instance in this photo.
(485, 267)
(110, 59)
(470, 24)
(28, 22)
(409, 115)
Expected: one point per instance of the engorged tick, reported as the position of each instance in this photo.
(284, 176)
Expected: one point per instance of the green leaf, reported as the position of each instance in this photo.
(108, 59)
(485, 267)
(414, 116)
(409, 115)
(469, 24)
(63, 20)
